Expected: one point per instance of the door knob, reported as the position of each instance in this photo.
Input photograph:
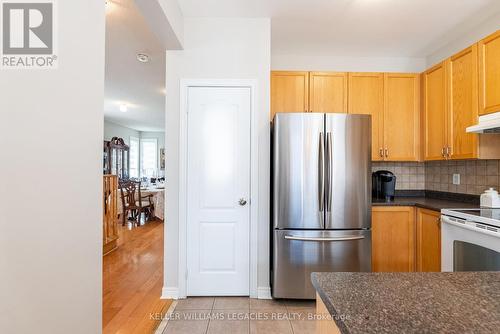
(242, 202)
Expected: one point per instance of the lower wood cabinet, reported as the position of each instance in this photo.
(325, 324)
(405, 239)
(393, 238)
(428, 240)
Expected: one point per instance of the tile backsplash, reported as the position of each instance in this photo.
(475, 175)
(409, 175)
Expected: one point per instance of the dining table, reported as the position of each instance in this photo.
(158, 199)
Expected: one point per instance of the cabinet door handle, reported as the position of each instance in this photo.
(442, 153)
(381, 152)
(448, 152)
(386, 152)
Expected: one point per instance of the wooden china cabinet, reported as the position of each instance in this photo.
(116, 158)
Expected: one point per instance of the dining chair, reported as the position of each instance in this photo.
(134, 203)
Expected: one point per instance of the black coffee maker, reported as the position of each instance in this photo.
(383, 185)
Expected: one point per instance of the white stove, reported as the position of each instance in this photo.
(470, 239)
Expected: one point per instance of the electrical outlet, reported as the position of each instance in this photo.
(456, 179)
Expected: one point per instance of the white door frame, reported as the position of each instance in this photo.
(185, 84)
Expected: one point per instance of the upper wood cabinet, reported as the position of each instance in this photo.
(289, 92)
(401, 117)
(308, 92)
(328, 92)
(489, 74)
(428, 225)
(366, 96)
(463, 106)
(435, 112)
(393, 239)
(450, 106)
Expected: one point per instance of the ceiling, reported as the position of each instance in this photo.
(140, 86)
(357, 28)
(362, 28)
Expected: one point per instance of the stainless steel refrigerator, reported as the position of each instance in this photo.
(321, 198)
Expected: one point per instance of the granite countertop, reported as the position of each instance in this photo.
(432, 200)
(457, 302)
(426, 203)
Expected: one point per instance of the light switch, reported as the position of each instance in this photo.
(456, 179)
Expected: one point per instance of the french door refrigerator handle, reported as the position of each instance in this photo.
(346, 238)
(329, 170)
(321, 173)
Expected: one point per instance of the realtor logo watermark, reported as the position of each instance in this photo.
(28, 34)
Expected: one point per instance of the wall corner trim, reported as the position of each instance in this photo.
(264, 292)
(170, 292)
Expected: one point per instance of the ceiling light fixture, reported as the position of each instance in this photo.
(142, 57)
(123, 107)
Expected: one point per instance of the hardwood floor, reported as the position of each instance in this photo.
(132, 281)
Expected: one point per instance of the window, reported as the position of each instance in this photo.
(149, 157)
(134, 157)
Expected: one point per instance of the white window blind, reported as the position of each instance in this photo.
(149, 157)
(134, 157)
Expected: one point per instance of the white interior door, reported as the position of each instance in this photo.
(218, 185)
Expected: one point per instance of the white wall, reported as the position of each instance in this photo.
(468, 37)
(165, 20)
(218, 49)
(51, 131)
(115, 130)
(312, 62)
(315, 62)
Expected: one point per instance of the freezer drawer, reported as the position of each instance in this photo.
(296, 254)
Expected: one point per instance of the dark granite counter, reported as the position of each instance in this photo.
(432, 200)
(459, 302)
(425, 202)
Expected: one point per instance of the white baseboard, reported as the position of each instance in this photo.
(173, 293)
(264, 293)
(170, 293)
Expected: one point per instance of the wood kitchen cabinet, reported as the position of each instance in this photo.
(328, 92)
(392, 99)
(401, 117)
(462, 106)
(289, 92)
(450, 106)
(428, 226)
(393, 239)
(366, 96)
(489, 74)
(435, 112)
(325, 324)
(308, 92)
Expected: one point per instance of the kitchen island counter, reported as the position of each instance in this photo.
(458, 302)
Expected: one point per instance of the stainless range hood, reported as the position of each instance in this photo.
(487, 124)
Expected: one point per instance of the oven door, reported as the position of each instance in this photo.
(466, 246)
